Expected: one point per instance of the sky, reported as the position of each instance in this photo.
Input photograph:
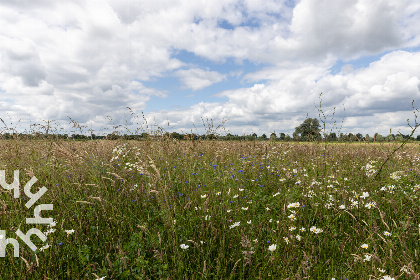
(249, 66)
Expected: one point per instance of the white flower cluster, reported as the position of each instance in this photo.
(315, 230)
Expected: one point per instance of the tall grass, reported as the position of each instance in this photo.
(215, 210)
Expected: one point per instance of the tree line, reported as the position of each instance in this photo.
(309, 130)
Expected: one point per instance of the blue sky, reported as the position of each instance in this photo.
(258, 65)
(182, 97)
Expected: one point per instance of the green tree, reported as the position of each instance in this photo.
(309, 129)
(273, 136)
(332, 136)
(378, 137)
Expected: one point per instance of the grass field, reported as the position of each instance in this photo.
(213, 210)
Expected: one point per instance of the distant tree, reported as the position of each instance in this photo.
(378, 137)
(389, 138)
(229, 136)
(211, 136)
(263, 137)
(282, 136)
(287, 137)
(344, 137)
(399, 138)
(359, 136)
(368, 138)
(6, 136)
(273, 136)
(332, 136)
(176, 135)
(190, 136)
(418, 138)
(309, 129)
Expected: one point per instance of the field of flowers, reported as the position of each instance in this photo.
(214, 210)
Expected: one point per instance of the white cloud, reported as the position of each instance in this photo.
(94, 58)
(375, 99)
(196, 78)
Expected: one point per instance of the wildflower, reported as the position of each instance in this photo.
(53, 224)
(51, 230)
(293, 205)
(292, 228)
(255, 240)
(302, 229)
(44, 247)
(292, 217)
(364, 246)
(386, 277)
(342, 206)
(241, 190)
(364, 195)
(298, 237)
(203, 196)
(370, 205)
(229, 210)
(244, 208)
(315, 230)
(276, 194)
(286, 240)
(207, 217)
(270, 220)
(268, 209)
(367, 258)
(248, 222)
(328, 205)
(381, 270)
(70, 231)
(354, 204)
(235, 196)
(184, 247)
(387, 233)
(395, 175)
(218, 193)
(272, 248)
(234, 225)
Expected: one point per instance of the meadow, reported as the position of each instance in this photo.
(206, 209)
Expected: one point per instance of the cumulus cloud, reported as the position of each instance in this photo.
(95, 58)
(367, 100)
(196, 78)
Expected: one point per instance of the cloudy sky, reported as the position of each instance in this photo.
(260, 65)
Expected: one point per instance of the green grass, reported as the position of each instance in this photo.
(133, 204)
